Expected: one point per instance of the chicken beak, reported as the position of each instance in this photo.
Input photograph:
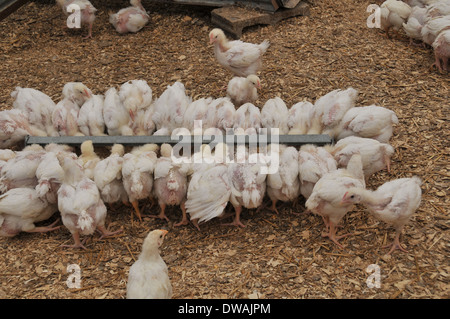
(211, 39)
(87, 93)
(258, 85)
(164, 232)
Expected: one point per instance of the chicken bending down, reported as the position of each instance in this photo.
(394, 203)
(313, 163)
(441, 48)
(209, 188)
(367, 121)
(84, 7)
(90, 117)
(375, 156)
(247, 119)
(65, 114)
(79, 202)
(284, 184)
(393, 14)
(148, 277)
(130, 19)
(327, 194)
(21, 208)
(14, 126)
(39, 108)
(248, 181)
(108, 177)
(241, 58)
(170, 185)
(300, 118)
(116, 116)
(274, 115)
(137, 174)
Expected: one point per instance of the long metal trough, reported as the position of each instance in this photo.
(259, 139)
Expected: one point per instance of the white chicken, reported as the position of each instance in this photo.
(248, 181)
(274, 115)
(441, 48)
(243, 90)
(82, 210)
(20, 171)
(300, 117)
(115, 115)
(88, 159)
(108, 176)
(241, 58)
(329, 109)
(65, 115)
(84, 7)
(136, 96)
(170, 108)
(414, 24)
(284, 185)
(197, 111)
(394, 203)
(247, 118)
(375, 156)
(137, 174)
(438, 9)
(148, 277)
(170, 183)
(210, 172)
(38, 106)
(90, 117)
(367, 121)
(313, 163)
(14, 126)
(21, 208)
(433, 28)
(49, 175)
(130, 19)
(393, 14)
(220, 114)
(325, 199)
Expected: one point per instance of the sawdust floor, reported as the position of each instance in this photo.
(275, 256)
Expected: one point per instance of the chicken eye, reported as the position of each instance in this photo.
(353, 196)
(160, 236)
(216, 36)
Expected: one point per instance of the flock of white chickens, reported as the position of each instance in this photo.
(37, 182)
(427, 21)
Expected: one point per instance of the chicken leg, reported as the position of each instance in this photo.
(136, 211)
(78, 243)
(236, 221)
(396, 243)
(162, 214)
(332, 235)
(45, 229)
(184, 219)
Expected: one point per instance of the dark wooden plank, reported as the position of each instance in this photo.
(9, 6)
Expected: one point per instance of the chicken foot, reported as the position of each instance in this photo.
(236, 221)
(395, 244)
(107, 233)
(45, 229)
(332, 235)
(162, 214)
(184, 219)
(136, 210)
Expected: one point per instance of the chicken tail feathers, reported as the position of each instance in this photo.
(85, 220)
(264, 45)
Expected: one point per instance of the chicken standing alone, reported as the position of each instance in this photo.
(327, 194)
(241, 58)
(394, 202)
(148, 277)
(130, 19)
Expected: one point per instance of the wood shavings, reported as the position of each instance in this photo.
(275, 256)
